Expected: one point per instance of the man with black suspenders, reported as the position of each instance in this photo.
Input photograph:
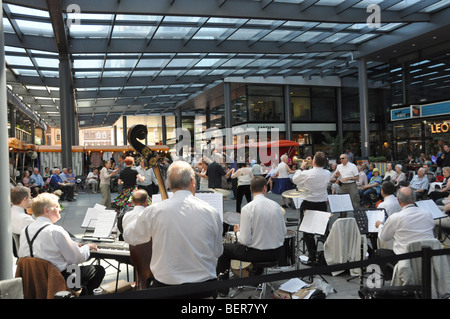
(42, 239)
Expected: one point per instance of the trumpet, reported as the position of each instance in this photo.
(297, 160)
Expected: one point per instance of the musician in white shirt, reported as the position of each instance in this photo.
(186, 233)
(54, 244)
(20, 200)
(315, 180)
(260, 234)
(390, 202)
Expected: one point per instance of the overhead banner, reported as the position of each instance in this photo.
(420, 111)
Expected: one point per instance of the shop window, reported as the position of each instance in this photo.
(301, 109)
(265, 109)
(324, 109)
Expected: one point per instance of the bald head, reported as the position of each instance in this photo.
(406, 196)
(180, 175)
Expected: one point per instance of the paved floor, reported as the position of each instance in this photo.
(337, 287)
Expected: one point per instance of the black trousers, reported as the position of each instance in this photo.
(91, 277)
(309, 239)
(241, 252)
(68, 191)
(205, 294)
(243, 190)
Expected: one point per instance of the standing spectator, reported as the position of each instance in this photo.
(350, 156)
(347, 173)
(216, 171)
(244, 176)
(105, 183)
(150, 178)
(202, 174)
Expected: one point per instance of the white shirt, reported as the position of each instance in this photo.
(315, 180)
(349, 170)
(392, 174)
(19, 219)
(187, 238)
(390, 205)
(132, 215)
(148, 174)
(262, 224)
(408, 225)
(53, 244)
(92, 178)
(282, 170)
(362, 179)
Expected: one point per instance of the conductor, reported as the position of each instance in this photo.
(316, 181)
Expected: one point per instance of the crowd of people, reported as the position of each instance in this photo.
(186, 227)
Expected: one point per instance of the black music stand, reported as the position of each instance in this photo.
(365, 219)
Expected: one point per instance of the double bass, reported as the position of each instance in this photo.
(141, 255)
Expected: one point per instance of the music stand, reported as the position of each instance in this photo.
(341, 203)
(430, 205)
(315, 222)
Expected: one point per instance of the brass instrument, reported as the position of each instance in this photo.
(298, 160)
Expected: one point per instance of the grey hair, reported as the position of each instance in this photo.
(398, 165)
(179, 175)
(406, 195)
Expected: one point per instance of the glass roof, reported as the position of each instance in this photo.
(152, 59)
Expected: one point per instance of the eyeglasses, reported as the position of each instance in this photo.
(342, 158)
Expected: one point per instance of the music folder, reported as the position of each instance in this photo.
(430, 205)
(366, 219)
(314, 222)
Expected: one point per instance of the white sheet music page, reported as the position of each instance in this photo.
(90, 219)
(372, 217)
(430, 205)
(105, 224)
(214, 199)
(340, 203)
(158, 198)
(315, 222)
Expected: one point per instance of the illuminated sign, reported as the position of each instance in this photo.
(439, 127)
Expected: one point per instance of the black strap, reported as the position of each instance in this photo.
(30, 242)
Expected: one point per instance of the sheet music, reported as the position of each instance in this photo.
(340, 203)
(156, 198)
(105, 223)
(315, 222)
(293, 285)
(372, 217)
(430, 205)
(90, 218)
(214, 199)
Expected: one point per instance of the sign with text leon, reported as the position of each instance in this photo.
(439, 127)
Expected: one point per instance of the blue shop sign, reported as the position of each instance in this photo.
(401, 114)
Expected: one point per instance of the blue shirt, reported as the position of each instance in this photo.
(376, 179)
(54, 180)
(419, 183)
(38, 180)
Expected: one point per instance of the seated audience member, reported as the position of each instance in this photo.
(67, 188)
(370, 171)
(390, 174)
(21, 201)
(374, 187)
(362, 181)
(445, 187)
(260, 234)
(430, 175)
(54, 244)
(409, 224)
(186, 233)
(419, 183)
(390, 202)
(26, 179)
(400, 180)
(92, 180)
(37, 182)
(70, 176)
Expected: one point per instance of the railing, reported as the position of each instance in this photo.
(180, 290)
